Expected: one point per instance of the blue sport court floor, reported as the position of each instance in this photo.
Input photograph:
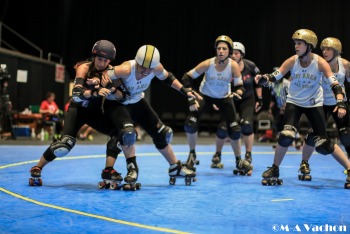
(218, 202)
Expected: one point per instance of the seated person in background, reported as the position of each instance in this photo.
(51, 113)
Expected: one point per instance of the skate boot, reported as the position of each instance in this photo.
(180, 170)
(191, 161)
(35, 173)
(131, 177)
(243, 167)
(347, 183)
(248, 157)
(216, 161)
(271, 176)
(305, 171)
(111, 179)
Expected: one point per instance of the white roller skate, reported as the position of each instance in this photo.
(131, 178)
(180, 170)
(191, 161)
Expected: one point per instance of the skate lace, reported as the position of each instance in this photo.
(186, 170)
(132, 173)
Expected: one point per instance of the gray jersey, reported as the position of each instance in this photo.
(328, 95)
(306, 84)
(216, 84)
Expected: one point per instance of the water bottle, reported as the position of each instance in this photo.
(33, 135)
(42, 135)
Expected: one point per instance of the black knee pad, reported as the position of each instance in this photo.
(287, 136)
(113, 147)
(162, 137)
(344, 136)
(235, 131)
(191, 125)
(310, 138)
(323, 146)
(61, 147)
(221, 133)
(246, 128)
(127, 135)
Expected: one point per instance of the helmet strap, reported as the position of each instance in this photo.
(306, 52)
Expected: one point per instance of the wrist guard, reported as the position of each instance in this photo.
(341, 104)
(185, 90)
(187, 81)
(78, 94)
(125, 93)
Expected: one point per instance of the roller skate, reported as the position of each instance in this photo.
(216, 161)
(248, 157)
(35, 173)
(243, 167)
(347, 184)
(131, 178)
(271, 176)
(111, 179)
(191, 161)
(305, 171)
(180, 170)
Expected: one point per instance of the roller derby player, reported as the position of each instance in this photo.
(250, 102)
(85, 108)
(215, 91)
(137, 75)
(305, 96)
(331, 50)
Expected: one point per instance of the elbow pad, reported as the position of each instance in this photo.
(187, 81)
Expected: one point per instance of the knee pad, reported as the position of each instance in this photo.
(113, 147)
(287, 136)
(323, 146)
(191, 125)
(235, 131)
(344, 136)
(163, 137)
(61, 147)
(221, 133)
(310, 138)
(127, 135)
(246, 128)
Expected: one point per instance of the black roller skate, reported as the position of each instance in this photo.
(35, 173)
(216, 161)
(243, 167)
(131, 177)
(191, 161)
(111, 179)
(271, 176)
(305, 171)
(180, 170)
(347, 184)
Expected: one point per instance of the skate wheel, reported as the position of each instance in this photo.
(126, 187)
(197, 162)
(264, 182)
(31, 182)
(113, 186)
(188, 181)
(138, 186)
(250, 173)
(172, 180)
(40, 182)
(101, 185)
(300, 177)
(347, 186)
(279, 182)
(235, 172)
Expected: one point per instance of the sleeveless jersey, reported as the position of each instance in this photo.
(216, 84)
(328, 95)
(305, 88)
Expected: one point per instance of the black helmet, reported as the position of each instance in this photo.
(104, 48)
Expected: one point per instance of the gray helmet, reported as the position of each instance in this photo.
(104, 48)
